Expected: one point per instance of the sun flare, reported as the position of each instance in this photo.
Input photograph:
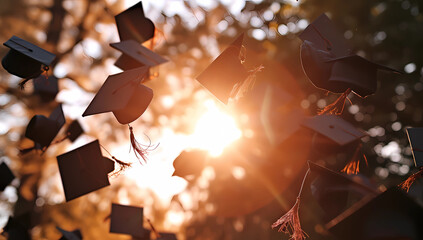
(214, 130)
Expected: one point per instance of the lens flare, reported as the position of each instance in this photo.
(214, 130)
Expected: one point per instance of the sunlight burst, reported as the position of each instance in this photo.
(214, 130)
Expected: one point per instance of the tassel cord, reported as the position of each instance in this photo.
(122, 165)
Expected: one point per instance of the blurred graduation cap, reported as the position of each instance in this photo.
(329, 64)
(6, 176)
(128, 220)
(84, 170)
(391, 215)
(67, 235)
(132, 24)
(16, 230)
(415, 137)
(25, 59)
(167, 236)
(43, 130)
(190, 163)
(334, 191)
(46, 88)
(74, 130)
(136, 55)
(226, 71)
(123, 95)
(335, 128)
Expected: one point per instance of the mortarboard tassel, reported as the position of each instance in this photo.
(243, 87)
(338, 106)
(290, 222)
(153, 229)
(140, 150)
(22, 83)
(353, 166)
(410, 180)
(122, 165)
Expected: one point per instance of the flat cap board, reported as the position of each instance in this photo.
(224, 72)
(84, 170)
(132, 24)
(74, 130)
(6, 176)
(323, 33)
(390, 215)
(30, 50)
(127, 220)
(335, 128)
(167, 236)
(355, 72)
(139, 53)
(415, 137)
(116, 91)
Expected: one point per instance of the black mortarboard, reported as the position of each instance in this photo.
(43, 130)
(334, 191)
(84, 170)
(132, 24)
(391, 215)
(74, 235)
(46, 88)
(24, 59)
(334, 128)
(123, 95)
(224, 72)
(74, 130)
(16, 230)
(136, 55)
(6, 176)
(415, 137)
(128, 220)
(190, 163)
(324, 35)
(167, 236)
(329, 64)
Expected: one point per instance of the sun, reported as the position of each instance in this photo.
(214, 130)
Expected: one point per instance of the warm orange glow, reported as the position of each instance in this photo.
(214, 130)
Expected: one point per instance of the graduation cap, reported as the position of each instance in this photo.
(16, 230)
(167, 236)
(391, 215)
(329, 64)
(74, 130)
(190, 163)
(337, 130)
(67, 235)
(136, 55)
(84, 170)
(6, 176)
(25, 59)
(128, 220)
(123, 95)
(43, 130)
(46, 88)
(334, 191)
(225, 72)
(132, 24)
(415, 137)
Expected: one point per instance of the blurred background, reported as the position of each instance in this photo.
(247, 159)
